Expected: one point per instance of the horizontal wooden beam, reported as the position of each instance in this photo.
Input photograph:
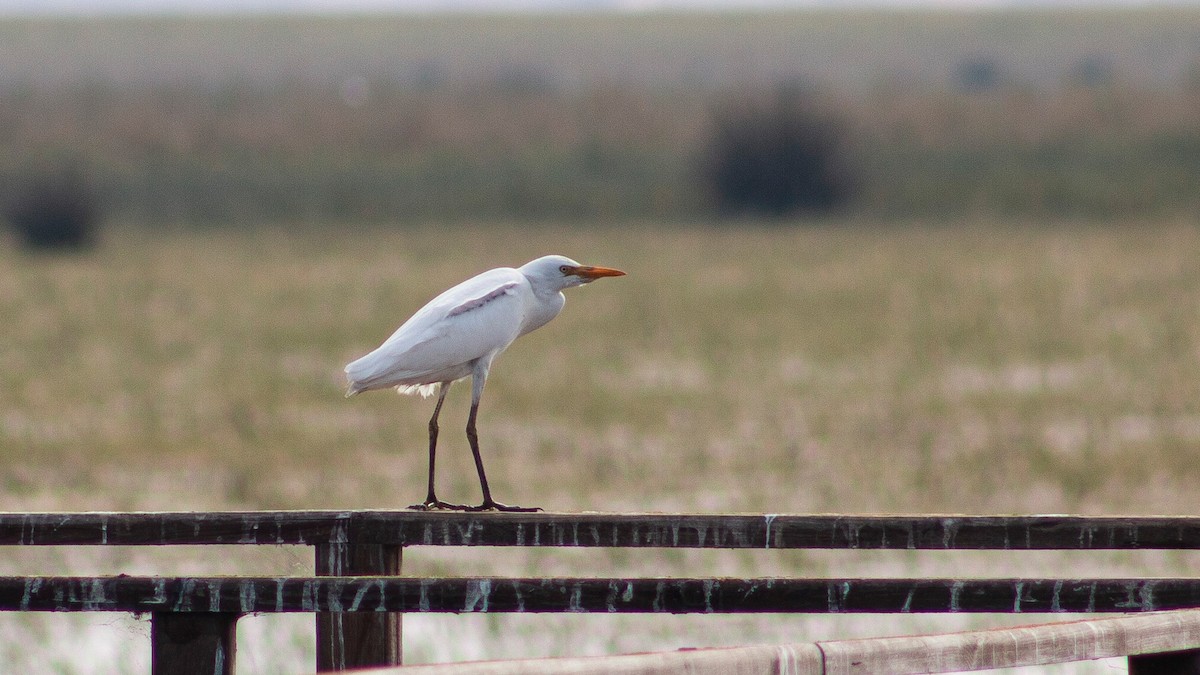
(663, 595)
(1014, 647)
(765, 531)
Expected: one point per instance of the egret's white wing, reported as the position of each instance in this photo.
(438, 308)
(472, 329)
(479, 316)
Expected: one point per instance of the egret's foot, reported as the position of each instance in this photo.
(439, 505)
(497, 506)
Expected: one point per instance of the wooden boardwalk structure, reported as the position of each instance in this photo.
(358, 594)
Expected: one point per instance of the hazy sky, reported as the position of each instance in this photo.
(222, 6)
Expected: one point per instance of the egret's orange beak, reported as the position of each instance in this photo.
(592, 273)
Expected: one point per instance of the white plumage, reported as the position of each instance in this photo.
(460, 333)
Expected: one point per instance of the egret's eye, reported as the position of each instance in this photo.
(564, 268)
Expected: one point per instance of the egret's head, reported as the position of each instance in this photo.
(561, 272)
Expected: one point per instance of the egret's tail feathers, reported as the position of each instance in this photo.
(354, 380)
(368, 373)
(357, 376)
(425, 390)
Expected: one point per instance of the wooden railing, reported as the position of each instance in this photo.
(358, 596)
(1154, 639)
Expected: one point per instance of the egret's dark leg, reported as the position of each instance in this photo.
(431, 500)
(488, 504)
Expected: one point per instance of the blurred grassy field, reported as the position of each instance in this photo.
(994, 367)
(754, 369)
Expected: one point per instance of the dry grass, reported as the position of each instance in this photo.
(992, 368)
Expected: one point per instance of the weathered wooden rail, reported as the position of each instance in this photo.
(247, 595)
(358, 596)
(1155, 633)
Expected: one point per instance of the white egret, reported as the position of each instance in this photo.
(460, 333)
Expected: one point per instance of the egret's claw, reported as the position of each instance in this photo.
(497, 506)
(439, 505)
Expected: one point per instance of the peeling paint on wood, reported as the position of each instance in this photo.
(357, 595)
(353, 626)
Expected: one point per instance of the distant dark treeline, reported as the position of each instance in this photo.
(885, 113)
(1091, 146)
(659, 115)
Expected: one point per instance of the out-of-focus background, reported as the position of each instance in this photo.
(881, 259)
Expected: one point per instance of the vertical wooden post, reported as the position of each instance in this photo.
(187, 643)
(357, 639)
(1168, 663)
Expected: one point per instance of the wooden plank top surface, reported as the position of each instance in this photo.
(603, 595)
(650, 530)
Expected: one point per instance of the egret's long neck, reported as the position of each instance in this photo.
(546, 306)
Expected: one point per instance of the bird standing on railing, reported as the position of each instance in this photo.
(459, 333)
